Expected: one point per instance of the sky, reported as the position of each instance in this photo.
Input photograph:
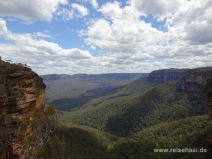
(106, 36)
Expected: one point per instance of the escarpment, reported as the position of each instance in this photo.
(195, 80)
(190, 81)
(205, 140)
(22, 92)
(209, 96)
(194, 84)
(166, 75)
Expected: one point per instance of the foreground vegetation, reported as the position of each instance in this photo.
(80, 142)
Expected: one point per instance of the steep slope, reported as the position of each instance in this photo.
(135, 88)
(209, 96)
(80, 142)
(84, 142)
(67, 92)
(22, 92)
(97, 112)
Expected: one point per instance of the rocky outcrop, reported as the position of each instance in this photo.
(195, 80)
(194, 84)
(166, 75)
(209, 96)
(205, 140)
(191, 81)
(22, 92)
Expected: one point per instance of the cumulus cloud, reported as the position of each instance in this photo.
(126, 40)
(94, 3)
(75, 10)
(156, 7)
(126, 43)
(30, 11)
(112, 10)
(41, 55)
(80, 9)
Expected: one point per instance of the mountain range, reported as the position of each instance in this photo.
(106, 116)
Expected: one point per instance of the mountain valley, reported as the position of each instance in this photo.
(107, 116)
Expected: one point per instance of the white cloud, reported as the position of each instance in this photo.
(30, 11)
(41, 35)
(156, 7)
(41, 55)
(112, 10)
(80, 9)
(127, 42)
(3, 27)
(75, 10)
(94, 3)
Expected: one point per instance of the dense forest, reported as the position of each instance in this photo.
(133, 119)
(146, 115)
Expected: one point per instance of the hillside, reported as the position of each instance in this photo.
(191, 132)
(67, 92)
(84, 142)
(122, 113)
(79, 142)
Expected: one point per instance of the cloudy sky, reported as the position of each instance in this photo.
(104, 36)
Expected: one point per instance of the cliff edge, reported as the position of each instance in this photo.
(22, 92)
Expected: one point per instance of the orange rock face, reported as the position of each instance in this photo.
(23, 92)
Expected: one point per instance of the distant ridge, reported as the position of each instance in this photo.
(93, 76)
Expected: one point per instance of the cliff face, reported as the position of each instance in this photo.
(166, 75)
(209, 96)
(22, 92)
(206, 138)
(194, 83)
(195, 80)
(191, 81)
(189, 76)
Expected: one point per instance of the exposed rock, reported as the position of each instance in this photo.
(198, 84)
(209, 96)
(191, 81)
(166, 75)
(22, 92)
(195, 80)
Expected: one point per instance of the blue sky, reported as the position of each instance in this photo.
(66, 32)
(104, 36)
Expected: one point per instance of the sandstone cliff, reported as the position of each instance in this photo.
(191, 81)
(209, 96)
(196, 79)
(166, 75)
(22, 92)
(206, 138)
